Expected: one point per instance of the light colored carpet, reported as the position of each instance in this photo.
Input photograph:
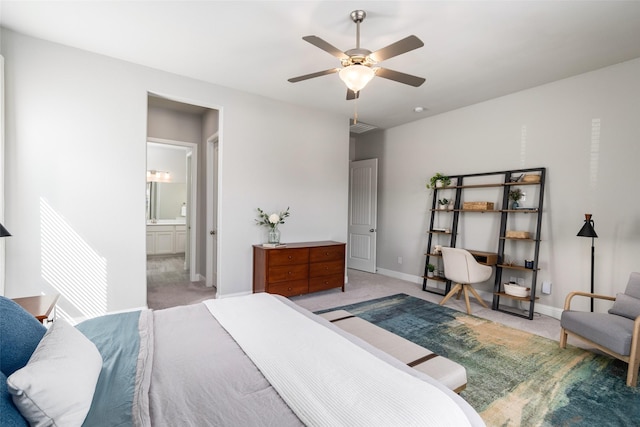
(364, 286)
(168, 285)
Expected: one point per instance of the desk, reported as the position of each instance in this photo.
(486, 258)
(39, 306)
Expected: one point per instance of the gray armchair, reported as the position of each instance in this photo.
(616, 333)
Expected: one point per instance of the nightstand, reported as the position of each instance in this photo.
(39, 306)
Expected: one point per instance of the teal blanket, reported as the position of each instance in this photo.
(118, 341)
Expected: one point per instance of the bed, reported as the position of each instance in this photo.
(256, 360)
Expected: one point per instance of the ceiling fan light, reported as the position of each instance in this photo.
(356, 76)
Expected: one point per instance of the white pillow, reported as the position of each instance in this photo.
(56, 386)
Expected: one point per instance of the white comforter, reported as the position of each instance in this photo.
(323, 377)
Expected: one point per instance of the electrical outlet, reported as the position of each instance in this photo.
(399, 260)
(546, 287)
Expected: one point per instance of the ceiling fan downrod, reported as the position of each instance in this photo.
(358, 16)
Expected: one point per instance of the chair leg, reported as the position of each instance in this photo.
(475, 294)
(455, 289)
(563, 338)
(466, 298)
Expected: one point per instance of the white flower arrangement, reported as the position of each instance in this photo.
(272, 220)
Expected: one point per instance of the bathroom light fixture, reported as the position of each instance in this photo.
(356, 76)
(158, 176)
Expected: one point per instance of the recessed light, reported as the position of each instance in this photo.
(419, 109)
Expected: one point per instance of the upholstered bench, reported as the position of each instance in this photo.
(448, 372)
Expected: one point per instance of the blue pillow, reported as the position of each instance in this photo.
(20, 334)
(11, 417)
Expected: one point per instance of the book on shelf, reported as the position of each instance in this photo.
(274, 245)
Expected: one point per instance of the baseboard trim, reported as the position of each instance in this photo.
(546, 310)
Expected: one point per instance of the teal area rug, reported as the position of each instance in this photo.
(514, 378)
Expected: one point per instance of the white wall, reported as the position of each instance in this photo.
(554, 126)
(71, 116)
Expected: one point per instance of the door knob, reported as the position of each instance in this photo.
(212, 232)
(372, 230)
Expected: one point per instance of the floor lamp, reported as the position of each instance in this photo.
(588, 231)
(4, 232)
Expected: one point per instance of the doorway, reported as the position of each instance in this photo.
(177, 124)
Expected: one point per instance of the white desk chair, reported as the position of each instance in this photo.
(462, 269)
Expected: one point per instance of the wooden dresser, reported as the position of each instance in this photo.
(299, 268)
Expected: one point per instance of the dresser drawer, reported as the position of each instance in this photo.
(288, 256)
(286, 273)
(326, 268)
(326, 253)
(289, 289)
(326, 282)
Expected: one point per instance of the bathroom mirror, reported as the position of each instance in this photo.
(165, 200)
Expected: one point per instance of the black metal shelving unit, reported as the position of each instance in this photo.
(509, 180)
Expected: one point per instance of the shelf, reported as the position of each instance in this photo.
(505, 295)
(519, 238)
(517, 267)
(435, 278)
(495, 186)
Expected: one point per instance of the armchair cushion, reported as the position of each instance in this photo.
(633, 286)
(608, 330)
(626, 306)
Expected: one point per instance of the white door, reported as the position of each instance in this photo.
(363, 198)
(212, 210)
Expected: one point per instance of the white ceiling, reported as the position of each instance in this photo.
(474, 50)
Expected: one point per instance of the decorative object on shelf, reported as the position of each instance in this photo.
(444, 203)
(4, 232)
(272, 221)
(438, 181)
(438, 249)
(514, 234)
(477, 206)
(531, 178)
(430, 270)
(515, 195)
(587, 230)
(516, 290)
(528, 263)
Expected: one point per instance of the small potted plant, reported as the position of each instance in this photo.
(515, 195)
(444, 203)
(430, 269)
(438, 181)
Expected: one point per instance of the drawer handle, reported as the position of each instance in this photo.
(289, 289)
(290, 257)
(326, 253)
(290, 273)
(326, 268)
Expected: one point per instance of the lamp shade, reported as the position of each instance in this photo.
(356, 76)
(4, 232)
(587, 229)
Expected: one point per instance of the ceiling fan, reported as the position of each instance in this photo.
(359, 65)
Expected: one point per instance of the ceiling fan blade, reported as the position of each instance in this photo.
(397, 76)
(401, 46)
(318, 42)
(352, 95)
(312, 75)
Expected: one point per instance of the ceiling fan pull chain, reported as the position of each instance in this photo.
(355, 110)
